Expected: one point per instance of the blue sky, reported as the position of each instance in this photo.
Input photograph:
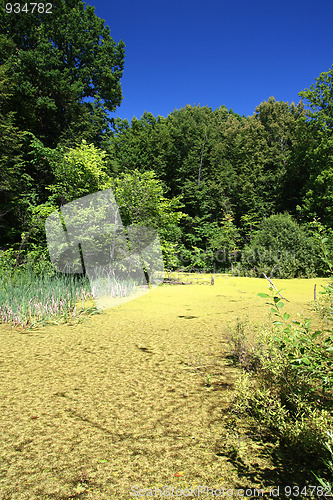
(215, 53)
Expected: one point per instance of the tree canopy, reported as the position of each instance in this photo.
(205, 178)
(54, 64)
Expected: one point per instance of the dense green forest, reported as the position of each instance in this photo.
(224, 191)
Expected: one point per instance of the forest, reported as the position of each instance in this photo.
(224, 191)
(228, 195)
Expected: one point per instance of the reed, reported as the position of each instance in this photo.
(29, 299)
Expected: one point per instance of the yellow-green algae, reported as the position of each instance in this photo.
(123, 399)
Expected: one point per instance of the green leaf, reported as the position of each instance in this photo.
(305, 361)
(280, 305)
(263, 295)
(286, 316)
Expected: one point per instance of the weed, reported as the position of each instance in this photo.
(246, 346)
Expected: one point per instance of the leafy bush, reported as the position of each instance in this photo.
(310, 354)
(287, 383)
(281, 249)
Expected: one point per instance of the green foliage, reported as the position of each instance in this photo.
(56, 62)
(220, 163)
(80, 171)
(323, 238)
(218, 239)
(141, 201)
(310, 354)
(285, 418)
(285, 401)
(29, 300)
(318, 199)
(290, 396)
(11, 140)
(28, 191)
(281, 248)
(57, 145)
(319, 96)
(318, 194)
(59, 76)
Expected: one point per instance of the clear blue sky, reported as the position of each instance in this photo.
(231, 53)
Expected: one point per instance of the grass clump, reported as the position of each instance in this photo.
(34, 294)
(247, 345)
(29, 300)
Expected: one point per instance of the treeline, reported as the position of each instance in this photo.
(234, 174)
(224, 191)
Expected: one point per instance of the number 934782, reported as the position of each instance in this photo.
(40, 8)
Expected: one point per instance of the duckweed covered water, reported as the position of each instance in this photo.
(133, 396)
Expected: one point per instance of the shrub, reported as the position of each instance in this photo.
(287, 384)
(281, 249)
(290, 394)
(310, 354)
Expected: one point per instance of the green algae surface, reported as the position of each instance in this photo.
(134, 398)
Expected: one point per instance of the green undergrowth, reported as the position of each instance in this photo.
(33, 294)
(286, 386)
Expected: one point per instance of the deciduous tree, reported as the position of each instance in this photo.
(60, 62)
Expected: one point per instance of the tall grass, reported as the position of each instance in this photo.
(29, 298)
(106, 284)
